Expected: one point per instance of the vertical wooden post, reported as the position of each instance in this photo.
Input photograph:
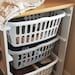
(2, 51)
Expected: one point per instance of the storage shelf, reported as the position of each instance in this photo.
(49, 5)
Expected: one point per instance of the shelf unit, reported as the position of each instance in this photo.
(63, 34)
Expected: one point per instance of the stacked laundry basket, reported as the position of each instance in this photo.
(32, 38)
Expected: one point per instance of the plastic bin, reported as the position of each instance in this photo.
(34, 28)
(30, 56)
(35, 69)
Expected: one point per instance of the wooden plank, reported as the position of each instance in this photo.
(49, 5)
(3, 60)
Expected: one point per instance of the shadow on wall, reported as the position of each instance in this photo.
(1, 73)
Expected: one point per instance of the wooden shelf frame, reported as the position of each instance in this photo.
(49, 5)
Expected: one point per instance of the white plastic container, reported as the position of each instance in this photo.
(35, 69)
(30, 56)
(46, 70)
(35, 28)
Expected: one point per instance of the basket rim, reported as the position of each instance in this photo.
(32, 49)
(35, 21)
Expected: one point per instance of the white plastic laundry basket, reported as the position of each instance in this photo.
(34, 28)
(29, 56)
(45, 70)
(44, 67)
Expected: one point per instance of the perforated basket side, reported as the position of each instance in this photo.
(29, 32)
(27, 57)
